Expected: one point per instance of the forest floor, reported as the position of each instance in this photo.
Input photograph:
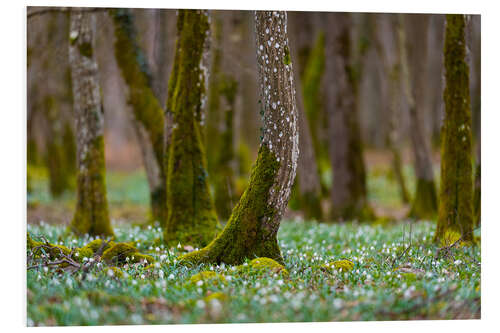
(393, 278)
(397, 272)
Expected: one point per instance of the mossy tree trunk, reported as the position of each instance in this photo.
(412, 39)
(308, 186)
(147, 115)
(348, 194)
(253, 226)
(456, 191)
(224, 182)
(91, 214)
(391, 67)
(59, 176)
(191, 215)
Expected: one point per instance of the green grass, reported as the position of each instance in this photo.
(122, 188)
(382, 285)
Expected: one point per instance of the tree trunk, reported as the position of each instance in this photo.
(391, 68)
(308, 180)
(147, 112)
(191, 214)
(91, 215)
(456, 191)
(254, 223)
(59, 173)
(413, 64)
(349, 176)
(224, 186)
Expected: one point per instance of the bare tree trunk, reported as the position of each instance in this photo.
(307, 181)
(191, 214)
(254, 223)
(164, 23)
(349, 176)
(456, 191)
(147, 117)
(413, 64)
(91, 215)
(392, 74)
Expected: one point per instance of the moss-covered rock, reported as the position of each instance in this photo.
(208, 277)
(119, 252)
(263, 265)
(341, 265)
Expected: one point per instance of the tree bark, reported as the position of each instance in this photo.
(147, 117)
(191, 215)
(349, 175)
(253, 226)
(308, 180)
(413, 51)
(456, 191)
(391, 68)
(91, 215)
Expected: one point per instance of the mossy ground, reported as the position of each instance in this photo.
(417, 286)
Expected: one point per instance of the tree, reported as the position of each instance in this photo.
(147, 113)
(391, 68)
(253, 226)
(91, 215)
(346, 153)
(191, 215)
(308, 186)
(456, 191)
(413, 66)
(222, 90)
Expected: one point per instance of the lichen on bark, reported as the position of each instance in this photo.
(456, 190)
(252, 228)
(191, 215)
(148, 118)
(91, 213)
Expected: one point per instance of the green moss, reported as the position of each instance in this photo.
(424, 205)
(85, 49)
(219, 296)
(147, 110)
(113, 272)
(477, 195)
(287, 60)
(263, 265)
(208, 277)
(341, 265)
(91, 248)
(91, 215)
(191, 215)
(455, 198)
(119, 252)
(54, 250)
(245, 236)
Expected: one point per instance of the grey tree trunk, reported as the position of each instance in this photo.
(349, 176)
(308, 181)
(91, 215)
(413, 50)
(147, 116)
(253, 226)
(391, 68)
